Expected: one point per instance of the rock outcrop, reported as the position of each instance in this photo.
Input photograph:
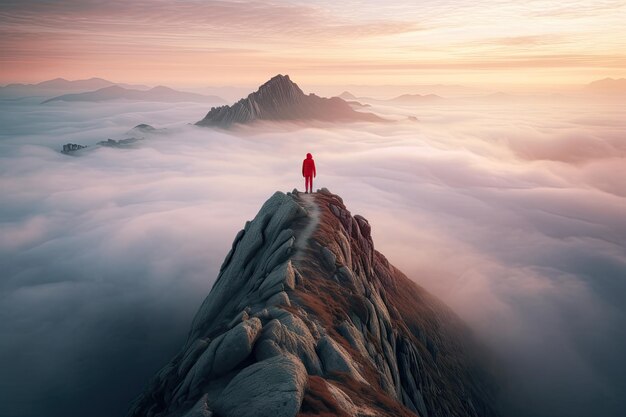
(72, 147)
(145, 128)
(120, 143)
(280, 99)
(306, 318)
(140, 132)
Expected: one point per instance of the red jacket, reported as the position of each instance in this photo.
(308, 166)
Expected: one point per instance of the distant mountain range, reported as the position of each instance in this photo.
(280, 99)
(416, 98)
(608, 86)
(408, 94)
(60, 86)
(160, 93)
(443, 90)
(402, 99)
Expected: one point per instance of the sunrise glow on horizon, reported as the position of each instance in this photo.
(199, 43)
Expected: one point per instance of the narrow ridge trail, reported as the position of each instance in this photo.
(306, 318)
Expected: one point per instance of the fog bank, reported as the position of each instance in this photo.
(513, 214)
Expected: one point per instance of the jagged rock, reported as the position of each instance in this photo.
(191, 356)
(121, 143)
(278, 299)
(244, 266)
(304, 310)
(71, 147)
(281, 278)
(243, 316)
(335, 359)
(201, 409)
(354, 337)
(281, 99)
(364, 226)
(342, 400)
(222, 355)
(273, 387)
(289, 334)
(329, 258)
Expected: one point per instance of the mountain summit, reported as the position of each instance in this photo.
(306, 318)
(280, 99)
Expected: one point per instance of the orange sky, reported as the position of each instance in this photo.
(201, 43)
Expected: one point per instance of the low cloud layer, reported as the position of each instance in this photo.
(512, 215)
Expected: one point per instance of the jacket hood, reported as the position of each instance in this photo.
(309, 156)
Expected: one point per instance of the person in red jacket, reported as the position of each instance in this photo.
(308, 172)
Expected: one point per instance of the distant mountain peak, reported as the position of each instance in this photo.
(608, 86)
(346, 95)
(161, 88)
(113, 88)
(280, 99)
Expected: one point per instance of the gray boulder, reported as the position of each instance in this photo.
(222, 355)
(72, 147)
(335, 358)
(270, 388)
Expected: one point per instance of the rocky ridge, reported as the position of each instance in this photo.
(306, 318)
(280, 99)
(72, 147)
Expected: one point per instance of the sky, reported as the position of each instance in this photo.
(512, 213)
(540, 43)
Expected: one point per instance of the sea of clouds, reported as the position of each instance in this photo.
(512, 213)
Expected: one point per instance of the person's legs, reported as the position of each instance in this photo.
(308, 183)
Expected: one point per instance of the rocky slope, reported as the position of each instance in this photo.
(281, 99)
(306, 318)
